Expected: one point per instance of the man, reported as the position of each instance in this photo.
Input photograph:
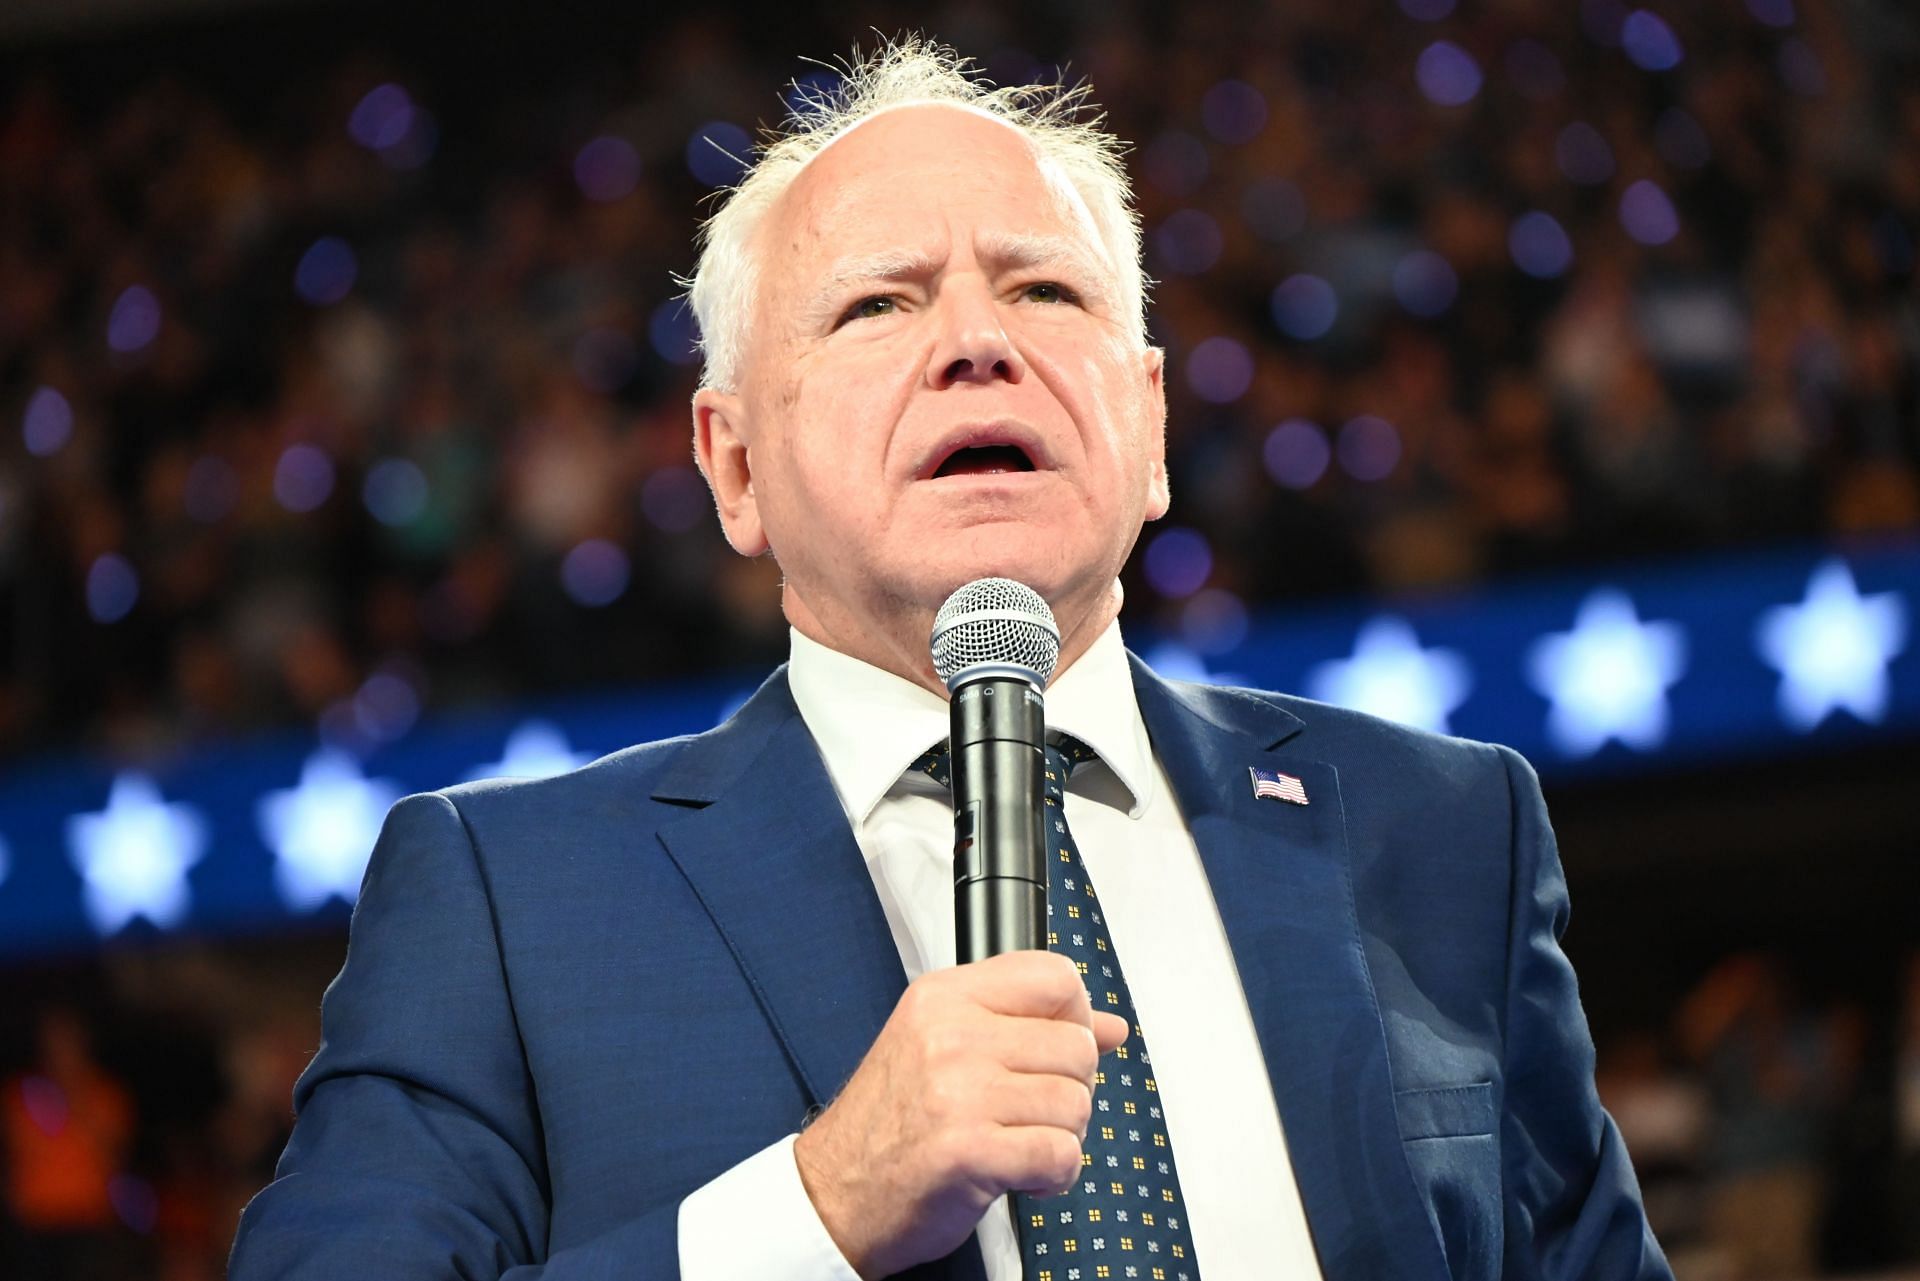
(654, 1017)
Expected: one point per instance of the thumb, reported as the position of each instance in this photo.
(1109, 1031)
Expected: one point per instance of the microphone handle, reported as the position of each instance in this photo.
(997, 742)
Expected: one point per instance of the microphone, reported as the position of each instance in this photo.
(995, 645)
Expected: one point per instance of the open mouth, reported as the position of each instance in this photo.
(984, 460)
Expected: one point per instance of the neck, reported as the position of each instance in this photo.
(896, 641)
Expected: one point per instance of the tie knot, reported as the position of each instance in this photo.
(1064, 755)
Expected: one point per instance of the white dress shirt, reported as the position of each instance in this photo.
(1242, 1204)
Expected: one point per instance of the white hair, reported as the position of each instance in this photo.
(903, 73)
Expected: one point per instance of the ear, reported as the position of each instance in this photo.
(1159, 494)
(720, 447)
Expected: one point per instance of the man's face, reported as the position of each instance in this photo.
(938, 384)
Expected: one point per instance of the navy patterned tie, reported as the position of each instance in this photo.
(1124, 1220)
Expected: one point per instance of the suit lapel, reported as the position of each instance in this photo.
(1280, 877)
(767, 848)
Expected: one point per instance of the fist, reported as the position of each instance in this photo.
(981, 1083)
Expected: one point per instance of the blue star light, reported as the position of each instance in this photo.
(1390, 675)
(536, 749)
(1608, 677)
(133, 855)
(1832, 649)
(1179, 662)
(322, 831)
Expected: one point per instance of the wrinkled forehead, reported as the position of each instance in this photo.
(849, 173)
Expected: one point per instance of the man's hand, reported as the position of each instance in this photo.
(980, 1083)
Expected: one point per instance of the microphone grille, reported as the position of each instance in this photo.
(995, 622)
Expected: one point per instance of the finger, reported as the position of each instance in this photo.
(1041, 1159)
(1022, 1099)
(1110, 1031)
(1030, 985)
(1045, 1045)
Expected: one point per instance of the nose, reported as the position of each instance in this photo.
(971, 345)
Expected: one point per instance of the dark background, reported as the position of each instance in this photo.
(1746, 932)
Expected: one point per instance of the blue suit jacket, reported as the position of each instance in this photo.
(569, 1003)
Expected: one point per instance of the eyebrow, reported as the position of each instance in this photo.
(1002, 252)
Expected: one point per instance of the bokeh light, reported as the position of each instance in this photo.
(1274, 209)
(718, 152)
(672, 333)
(1187, 243)
(595, 573)
(1647, 215)
(812, 92)
(1649, 42)
(1220, 370)
(1214, 621)
(134, 321)
(326, 272)
(1297, 453)
(1583, 154)
(382, 118)
(1447, 74)
(303, 478)
(1775, 13)
(1539, 245)
(386, 706)
(1305, 307)
(417, 147)
(1426, 10)
(112, 588)
(395, 491)
(1425, 283)
(1234, 112)
(675, 499)
(47, 425)
(134, 1201)
(1179, 561)
(1368, 448)
(607, 169)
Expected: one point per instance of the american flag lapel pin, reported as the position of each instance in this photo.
(1274, 786)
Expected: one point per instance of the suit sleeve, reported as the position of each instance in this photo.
(1572, 1204)
(418, 1153)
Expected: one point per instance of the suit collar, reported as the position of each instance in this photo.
(1282, 879)
(768, 849)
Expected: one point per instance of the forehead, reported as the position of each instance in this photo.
(920, 170)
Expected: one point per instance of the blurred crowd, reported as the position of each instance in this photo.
(1776, 1131)
(366, 371)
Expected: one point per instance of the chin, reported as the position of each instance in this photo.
(1023, 557)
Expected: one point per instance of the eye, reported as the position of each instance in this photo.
(1049, 291)
(867, 308)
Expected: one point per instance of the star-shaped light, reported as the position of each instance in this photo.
(1179, 662)
(536, 749)
(1608, 677)
(322, 831)
(133, 855)
(1390, 675)
(1832, 649)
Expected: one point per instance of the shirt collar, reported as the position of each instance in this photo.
(870, 724)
